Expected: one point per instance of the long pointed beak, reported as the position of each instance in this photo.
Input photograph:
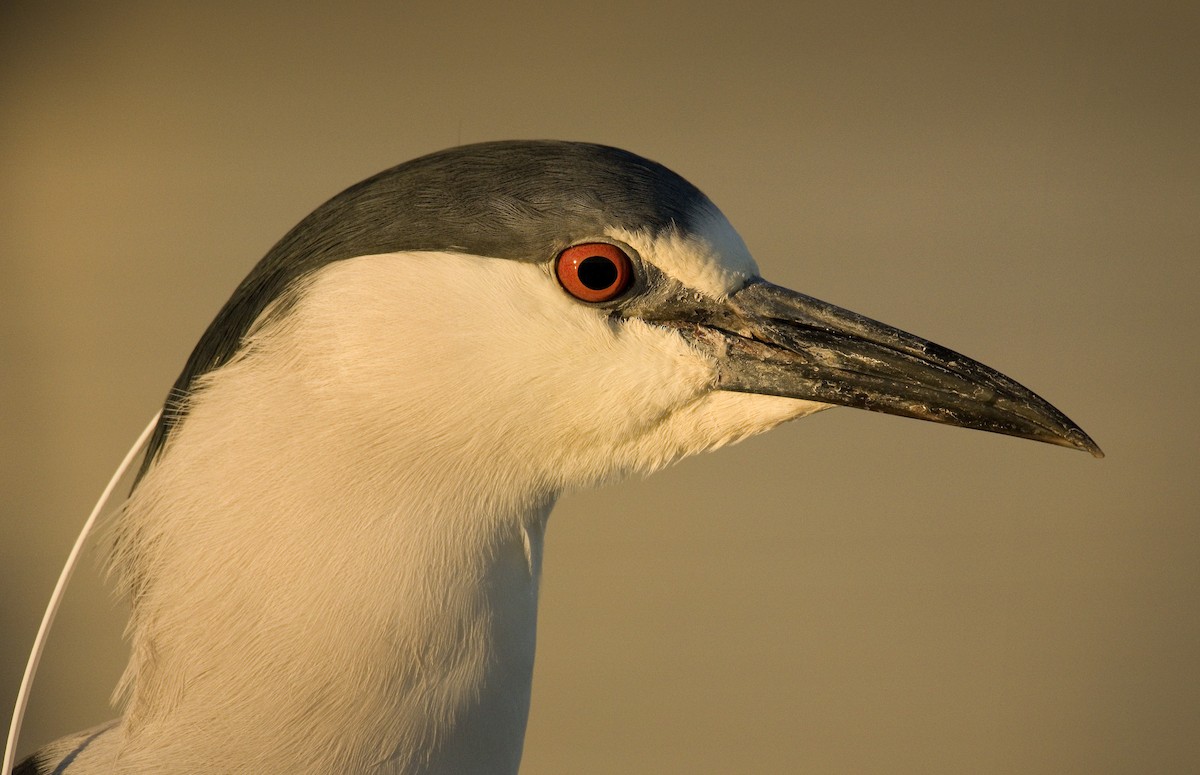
(775, 341)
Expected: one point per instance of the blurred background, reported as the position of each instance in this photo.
(851, 593)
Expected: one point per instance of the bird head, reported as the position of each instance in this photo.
(566, 312)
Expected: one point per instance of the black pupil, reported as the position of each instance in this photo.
(597, 272)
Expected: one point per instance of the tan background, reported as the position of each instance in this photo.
(852, 593)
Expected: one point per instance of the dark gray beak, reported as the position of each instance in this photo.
(770, 340)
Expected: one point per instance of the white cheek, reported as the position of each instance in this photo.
(491, 358)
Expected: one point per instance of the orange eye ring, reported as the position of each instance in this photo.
(594, 271)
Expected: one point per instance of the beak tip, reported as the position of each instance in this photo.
(1080, 440)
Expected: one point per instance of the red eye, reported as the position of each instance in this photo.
(594, 271)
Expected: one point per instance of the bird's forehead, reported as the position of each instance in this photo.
(710, 257)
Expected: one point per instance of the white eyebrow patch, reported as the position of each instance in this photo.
(711, 258)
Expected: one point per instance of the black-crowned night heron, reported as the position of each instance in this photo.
(333, 549)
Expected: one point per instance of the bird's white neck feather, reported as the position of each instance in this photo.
(311, 626)
(334, 565)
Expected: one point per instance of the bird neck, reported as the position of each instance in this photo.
(325, 609)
